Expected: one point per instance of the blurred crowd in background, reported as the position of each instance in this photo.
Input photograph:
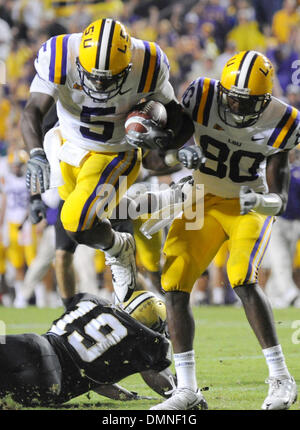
(197, 36)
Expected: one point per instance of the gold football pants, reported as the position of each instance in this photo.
(189, 252)
(95, 188)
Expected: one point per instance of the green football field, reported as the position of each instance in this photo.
(230, 365)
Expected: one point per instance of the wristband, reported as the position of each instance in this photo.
(38, 151)
(34, 197)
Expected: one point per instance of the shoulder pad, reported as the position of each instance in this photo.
(51, 61)
(154, 63)
(286, 133)
(198, 98)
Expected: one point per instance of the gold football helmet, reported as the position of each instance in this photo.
(17, 160)
(104, 59)
(245, 88)
(148, 309)
(18, 156)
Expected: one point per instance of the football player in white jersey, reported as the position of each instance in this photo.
(245, 135)
(19, 236)
(96, 78)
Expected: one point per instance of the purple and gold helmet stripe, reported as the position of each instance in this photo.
(245, 69)
(104, 47)
(99, 43)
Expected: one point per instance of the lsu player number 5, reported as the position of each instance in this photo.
(96, 78)
(244, 134)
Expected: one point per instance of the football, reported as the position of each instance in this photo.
(149, 110)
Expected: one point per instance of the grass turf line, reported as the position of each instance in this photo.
(230, 364)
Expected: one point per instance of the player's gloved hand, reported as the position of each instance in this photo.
(248, 199)
(37, 209)
(155, 138)
(38, 171)
(191, 157)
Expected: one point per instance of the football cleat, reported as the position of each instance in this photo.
(123, 268)
(282, 393)
(182, 399)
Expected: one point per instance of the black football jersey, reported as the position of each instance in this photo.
(104, 342)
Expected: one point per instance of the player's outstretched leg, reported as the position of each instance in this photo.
(123, 266)
(119, 249)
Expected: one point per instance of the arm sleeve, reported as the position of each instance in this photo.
(39, 85)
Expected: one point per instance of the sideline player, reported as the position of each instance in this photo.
(245, 134)
(96, 78)
(93, 345)
(19, 235)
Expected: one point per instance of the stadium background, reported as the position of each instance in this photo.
(198, 37)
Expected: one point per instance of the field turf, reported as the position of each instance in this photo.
(230, 365)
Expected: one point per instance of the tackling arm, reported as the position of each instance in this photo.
(160, 382)
(115, 392)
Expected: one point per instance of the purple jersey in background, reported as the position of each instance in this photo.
(293, 206)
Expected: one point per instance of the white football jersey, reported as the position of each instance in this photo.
(99, 126)
(237, 156)
(17, 198)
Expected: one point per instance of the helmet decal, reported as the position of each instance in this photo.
(245, 88)
(104, 59)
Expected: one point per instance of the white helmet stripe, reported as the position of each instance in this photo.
(131, 307)
(246, 69)
(105, 45)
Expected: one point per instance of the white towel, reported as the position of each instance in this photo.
(52, 144)
(57, 151)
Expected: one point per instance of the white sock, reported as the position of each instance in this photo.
(185, 370)
(117, 245)
(218, 295)
(276, 361)
(18, 287)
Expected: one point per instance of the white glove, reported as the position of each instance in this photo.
(38, 171)
(155, 138)
(248, 199)
(191, 157)
(265, 204)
